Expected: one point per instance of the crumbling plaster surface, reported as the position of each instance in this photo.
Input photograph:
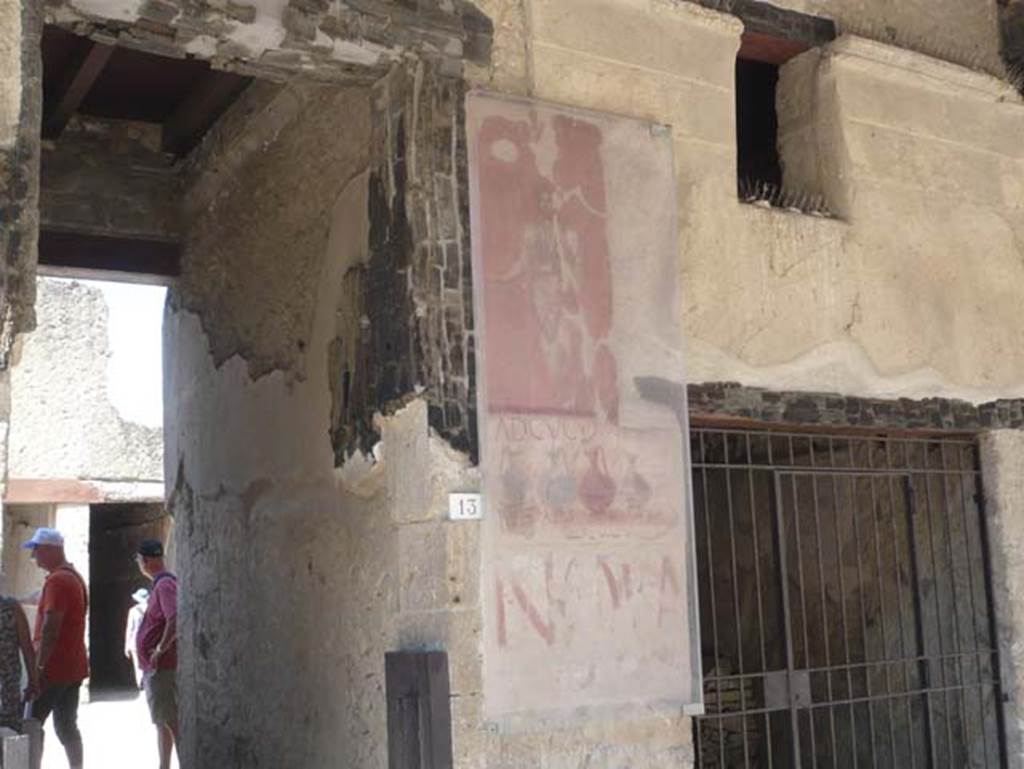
(10, 79)
(265, 306)
(912, 292)
(63, 424)
(338, 564)
(1002, 465)
(346, 40)
(20, 109)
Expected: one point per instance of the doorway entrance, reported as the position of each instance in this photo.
(846, 602)
(115, 531)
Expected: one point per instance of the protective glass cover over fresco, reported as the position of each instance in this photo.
(588, 574)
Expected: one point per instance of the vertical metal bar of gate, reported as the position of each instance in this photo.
(757, 585)
(780, 533)
(711, 584)
(803, 599)
(882, 612)
(944, 679)
(957, 645)
(908, 701)
(737, 610)
(863, 618)
(824, 620)
(836, 507)
(922, 664)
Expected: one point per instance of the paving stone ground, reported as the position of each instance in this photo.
(117, 734)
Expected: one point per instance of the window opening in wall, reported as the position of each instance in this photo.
(846, 603)
(757, 128)
(775, 116)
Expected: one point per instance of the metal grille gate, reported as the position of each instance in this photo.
(846, 602)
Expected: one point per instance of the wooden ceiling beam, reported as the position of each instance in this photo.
(85, 254)
(74, 88)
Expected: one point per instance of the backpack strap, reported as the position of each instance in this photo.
(164, 575)
(81, 582)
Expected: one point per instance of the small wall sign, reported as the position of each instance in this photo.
(465, 507)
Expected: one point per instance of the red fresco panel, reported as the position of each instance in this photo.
(589, 589)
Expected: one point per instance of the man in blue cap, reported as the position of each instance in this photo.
(61, 660)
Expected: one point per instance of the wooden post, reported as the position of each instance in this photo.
(419, 710)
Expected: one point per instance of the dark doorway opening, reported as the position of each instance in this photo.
(115, 531)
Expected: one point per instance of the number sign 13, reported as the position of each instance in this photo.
(465, 507)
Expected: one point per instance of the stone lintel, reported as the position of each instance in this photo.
(32, 491)
(730, 401)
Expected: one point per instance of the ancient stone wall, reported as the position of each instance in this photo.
(886, 299)
(324, 282)
(410, 305)
(300, 298)
(63, 423)
(862, 303)
(20, 109)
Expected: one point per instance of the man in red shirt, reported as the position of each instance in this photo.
(61, 660)
(157, 647)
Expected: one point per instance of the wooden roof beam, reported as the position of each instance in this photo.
(74, 88)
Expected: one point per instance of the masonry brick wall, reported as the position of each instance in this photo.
(415, 290)
(732, 400)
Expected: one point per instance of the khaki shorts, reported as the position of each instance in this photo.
(161, 695)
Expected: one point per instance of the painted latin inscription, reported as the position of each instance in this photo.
(586, 562)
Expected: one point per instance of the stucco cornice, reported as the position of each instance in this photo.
(871, 53)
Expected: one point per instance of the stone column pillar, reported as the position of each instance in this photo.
(20, 110)
(1002, 465)
(21, 96)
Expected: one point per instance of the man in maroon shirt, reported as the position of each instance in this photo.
(157, 647)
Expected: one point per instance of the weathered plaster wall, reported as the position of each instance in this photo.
(266, 307)
(20, 576)
(10, 81)
(20, 105)
(347, 562)
(1002, 465)
(910, 293)
(63, 425)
